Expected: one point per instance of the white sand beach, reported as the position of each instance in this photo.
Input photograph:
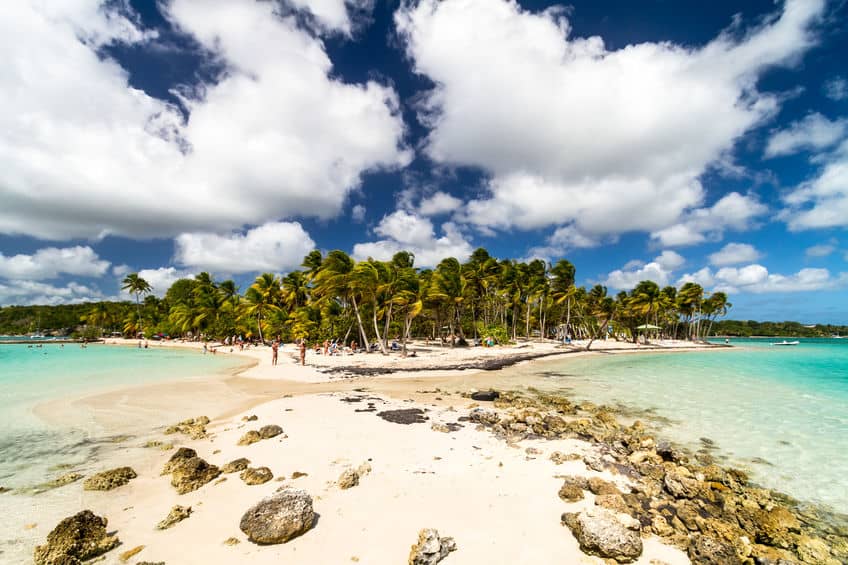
(497, 500)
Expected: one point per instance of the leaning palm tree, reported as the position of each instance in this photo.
(134, 284)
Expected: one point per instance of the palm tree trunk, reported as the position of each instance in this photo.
(377, 331)
(359, 321)
(259, 325)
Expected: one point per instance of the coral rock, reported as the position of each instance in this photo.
(74, 540)
(430, 548)
(176, 515)
(256, 476)
(107, 480)
(279, 518)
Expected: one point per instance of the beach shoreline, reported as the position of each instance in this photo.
(310, 404)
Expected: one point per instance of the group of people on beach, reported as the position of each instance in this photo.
(328, 347)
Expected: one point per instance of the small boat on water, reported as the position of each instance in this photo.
(784, 342)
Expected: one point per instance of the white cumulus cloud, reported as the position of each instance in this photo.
(659, 270)
(29, 292)
(734, 253)
(836, 88)
(160, 280)
(84, 154)
(51, 262)
(439, 203)
(404, 231)
(571, 131)
(822, 201)
(274, 247)
(757, 279)
(733, 211)
(813, 132)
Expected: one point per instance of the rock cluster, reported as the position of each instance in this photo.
(195, 428)
(74, 540)
(265, 432)
(107, 480)
(708, 511)
(430, 548)
(188, 471)
(176, 515)
(256, 476)
(279, 518)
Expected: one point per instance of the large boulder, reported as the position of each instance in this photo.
(236, 465)
(430, 548)
(601, 532)
(192, 474)
(279, 518)
(269, 431)
(179, 457)
(256, 476)
(74, 540)
(107, 480)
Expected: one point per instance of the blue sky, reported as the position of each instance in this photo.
(654, 140)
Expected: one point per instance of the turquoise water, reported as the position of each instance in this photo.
(30, 376)
(780, 412)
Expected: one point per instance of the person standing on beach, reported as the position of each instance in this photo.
(275, 347)
(303, 351)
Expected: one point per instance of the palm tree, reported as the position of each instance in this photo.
(448, 286)
(134, 284)
(645, 299)
(602, 307)
(689, 299)
(333, 280)
(98, 316)
(262, 297)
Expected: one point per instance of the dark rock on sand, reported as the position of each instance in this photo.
(279, 518)
(74, 540)
(176, 515)
(269, 431)
(403, 416)
(107, 480)
(190, 474)
(430, 548)
(485, 396)
(179, 457)
(250, 437)
(236, 465)
(63, 480)
(256, 476)
(600, 532)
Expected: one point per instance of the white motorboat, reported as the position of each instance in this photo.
(784, 342)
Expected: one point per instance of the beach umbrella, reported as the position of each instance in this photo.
(647, 327)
